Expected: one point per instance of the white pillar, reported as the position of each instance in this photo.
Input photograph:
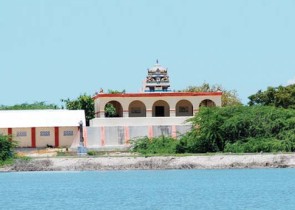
(125, 113)
(101, 114)
(149, 113)
(172, 113)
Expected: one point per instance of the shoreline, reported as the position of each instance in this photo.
(218, 161)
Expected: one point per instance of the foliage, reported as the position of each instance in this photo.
(205, 135)
(158, 145)
(190, 143)
(110, 110)
(116, 91)
(96, 153)
(91, 153)
(84, 102)
(229, 97)
(238, 129)
(26, 106)
(66, 153)
(6, 148)
(275, 96)
(241, 129)
(259, 145)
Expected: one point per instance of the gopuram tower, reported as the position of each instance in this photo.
(157, 79)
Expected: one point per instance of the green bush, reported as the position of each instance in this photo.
(91, 153)
(158, 145)
(240, 129)
(260, 145)
(193, 143)
(6, 148)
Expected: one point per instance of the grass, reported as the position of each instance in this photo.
(6, 162)
(66, 154)
(11, 161)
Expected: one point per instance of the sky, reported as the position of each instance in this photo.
(52, 50)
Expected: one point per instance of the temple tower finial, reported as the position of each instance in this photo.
(157, 79)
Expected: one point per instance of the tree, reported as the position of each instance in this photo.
(275, 96)
(110, 110)
(228, 98)
(240, 129)
(27, 106)
(6, 148)
(83, 102)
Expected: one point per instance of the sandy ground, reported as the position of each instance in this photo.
(217, 161)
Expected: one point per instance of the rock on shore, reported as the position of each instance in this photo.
(133, 163)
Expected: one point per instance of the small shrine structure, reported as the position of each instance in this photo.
(157, 79)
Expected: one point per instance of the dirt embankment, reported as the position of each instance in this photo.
(154, 163)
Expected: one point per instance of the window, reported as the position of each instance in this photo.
(183, 109)
(68, 133)
(135, 110)
(21, 134)
(44, 133)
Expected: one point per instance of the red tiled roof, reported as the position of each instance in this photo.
(154, 94)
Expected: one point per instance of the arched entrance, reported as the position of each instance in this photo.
(137, 109)
(161, 109)
(184, 108)
(113, 109)
(207, 103)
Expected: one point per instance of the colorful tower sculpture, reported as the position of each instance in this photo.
(157, 79)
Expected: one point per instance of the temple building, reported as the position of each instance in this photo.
(154, 111)
(156, 99)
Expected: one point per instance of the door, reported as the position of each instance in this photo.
(160, 111)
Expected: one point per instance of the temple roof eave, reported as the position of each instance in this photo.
(156, 84)
(156, 94)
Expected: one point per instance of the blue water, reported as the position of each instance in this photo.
(170, 189)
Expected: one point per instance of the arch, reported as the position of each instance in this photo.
(115, 109)
(184, 108)
(161, 109)
(137, 109)
(207, 103)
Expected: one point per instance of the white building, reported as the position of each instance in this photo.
(39, 128)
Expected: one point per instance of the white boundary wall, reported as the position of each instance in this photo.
(105, 132)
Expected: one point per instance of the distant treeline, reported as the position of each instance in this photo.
(27, 106)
